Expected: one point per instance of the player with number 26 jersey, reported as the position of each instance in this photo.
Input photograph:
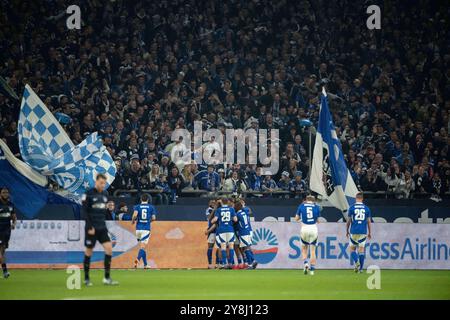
(359, 213)
(359, 219)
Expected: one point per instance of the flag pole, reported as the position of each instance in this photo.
(310, 153)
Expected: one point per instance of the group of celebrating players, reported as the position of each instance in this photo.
(229, 229)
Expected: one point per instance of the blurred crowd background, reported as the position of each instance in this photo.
(137, 70)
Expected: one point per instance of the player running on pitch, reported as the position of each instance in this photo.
(7, 223)
(94, 206)
(308, 213)
(143, 214)
(245, 238)
(358, 230)
(225, 216)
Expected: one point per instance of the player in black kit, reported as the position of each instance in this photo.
(7, 223)
(94, 207)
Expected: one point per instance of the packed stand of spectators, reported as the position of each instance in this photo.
(137, 70)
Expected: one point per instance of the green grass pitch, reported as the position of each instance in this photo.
(233, 284)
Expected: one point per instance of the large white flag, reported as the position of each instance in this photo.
(330, 176)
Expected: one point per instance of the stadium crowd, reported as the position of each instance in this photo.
(137, 70)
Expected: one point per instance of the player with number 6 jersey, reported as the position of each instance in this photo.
(143, 215)
(358, 230)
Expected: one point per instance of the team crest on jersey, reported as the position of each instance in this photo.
(265, 245)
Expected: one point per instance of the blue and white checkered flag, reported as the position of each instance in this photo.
(45, 146)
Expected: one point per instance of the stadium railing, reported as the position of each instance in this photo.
(275, 193)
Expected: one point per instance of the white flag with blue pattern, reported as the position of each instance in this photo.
(45, 146)
(330, 176)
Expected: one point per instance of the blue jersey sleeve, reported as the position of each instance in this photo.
(368, 213)
(350, 212)
(299, 210)
(317, 211)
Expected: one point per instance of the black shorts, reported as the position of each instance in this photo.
(5, 235)
(101, 235)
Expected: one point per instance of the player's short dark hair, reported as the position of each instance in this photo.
(359, 195)
(144, 197)
(101, 176)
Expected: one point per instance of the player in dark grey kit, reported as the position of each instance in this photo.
(94, 207)
(7, 223)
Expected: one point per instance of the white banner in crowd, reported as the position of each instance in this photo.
(393, 246)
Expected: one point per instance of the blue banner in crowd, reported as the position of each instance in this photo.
(27, 196)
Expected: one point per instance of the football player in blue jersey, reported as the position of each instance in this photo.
(249, 213)
(143, 215)
(308, 213)
(237, 243)
(358, 230)
(245, 237)
(225, 216)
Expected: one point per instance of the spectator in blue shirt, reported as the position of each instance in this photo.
(297, 185)
(255, 180)
(208, 180)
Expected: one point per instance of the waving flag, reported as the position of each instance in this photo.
(45, 146)
(6, 89)
(26, 186)
(330, 176)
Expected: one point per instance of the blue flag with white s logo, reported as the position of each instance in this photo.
(330, 176)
